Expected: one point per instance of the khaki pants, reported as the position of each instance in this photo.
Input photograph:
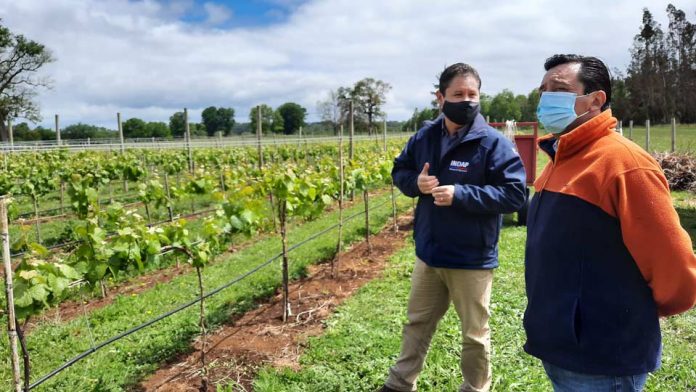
(432, 290)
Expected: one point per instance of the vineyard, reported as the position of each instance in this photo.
(82, 223)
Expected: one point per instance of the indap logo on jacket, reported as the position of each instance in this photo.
(459, 166)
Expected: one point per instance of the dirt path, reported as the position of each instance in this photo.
(236, 351)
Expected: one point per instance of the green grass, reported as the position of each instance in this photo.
(125, 362)
(359, 345)
(661, 137)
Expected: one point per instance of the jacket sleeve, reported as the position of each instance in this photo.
(505, 191)
(652, 233)
(405, 171)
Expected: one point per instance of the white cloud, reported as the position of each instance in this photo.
(139, 59)
(216, 14)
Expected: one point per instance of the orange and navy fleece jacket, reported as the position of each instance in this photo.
(605, 256)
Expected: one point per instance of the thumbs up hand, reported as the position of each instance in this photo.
(426, 182)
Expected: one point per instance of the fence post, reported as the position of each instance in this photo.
(120, 131)
(259, 130)
(385, 136)
(352, 130)
(621, 127)
(335, 264)
(630, 129)
(9, 293)
(9, 128)
(57, 130)
(647, 135)
(188, 140)
(674, 134)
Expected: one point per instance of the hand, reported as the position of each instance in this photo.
(443, 195)
(426, 183)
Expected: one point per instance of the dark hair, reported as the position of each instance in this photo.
(454, 70)
(593, 74)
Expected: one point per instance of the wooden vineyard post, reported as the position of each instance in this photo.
(393, 194)
(37, 225)
(9, 294)
(674, 134)
(259, 130)
(366, 199)
(9, 128)
(57, 130)
(630, 129)
(120, 131)
(188, 141)
(352, 131)
(282, 208)
(169, 197)
(352, 134)
(339, 245)
(62, 196)
(647, 135)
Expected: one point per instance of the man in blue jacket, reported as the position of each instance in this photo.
(465, 175)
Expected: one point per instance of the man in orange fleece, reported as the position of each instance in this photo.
(606, 255)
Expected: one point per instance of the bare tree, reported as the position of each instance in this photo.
(330, 111)
(20, 59)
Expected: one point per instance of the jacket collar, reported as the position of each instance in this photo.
(574, 141)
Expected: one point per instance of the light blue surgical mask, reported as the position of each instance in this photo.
(556, 110)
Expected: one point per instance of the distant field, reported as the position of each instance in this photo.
(661, 137)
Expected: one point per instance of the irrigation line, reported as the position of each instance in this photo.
(180, 308)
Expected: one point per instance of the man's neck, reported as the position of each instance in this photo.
(451, 127)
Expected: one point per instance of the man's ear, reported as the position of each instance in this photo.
(598, 100)
(440, 98)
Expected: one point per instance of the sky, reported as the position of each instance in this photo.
(151, 58)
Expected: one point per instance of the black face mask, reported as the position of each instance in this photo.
(461, 113)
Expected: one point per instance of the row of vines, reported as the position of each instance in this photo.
(109, 239)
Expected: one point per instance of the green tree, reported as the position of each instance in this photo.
(530, 106)
(293, 117)
(485, 104)
(277, 123)
(84, 131)
(157, 129)
(20, 59)
(419, 118)
(218, 120)
(647, 73)
(177, 125)
(22, 132)
(504, 107)
(134, 128)
(368, 96)
(45, 133)
(267, 116)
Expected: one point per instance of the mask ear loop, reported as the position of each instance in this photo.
(579, 96)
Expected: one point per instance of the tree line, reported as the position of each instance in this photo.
(287, 118)
(660, 81)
